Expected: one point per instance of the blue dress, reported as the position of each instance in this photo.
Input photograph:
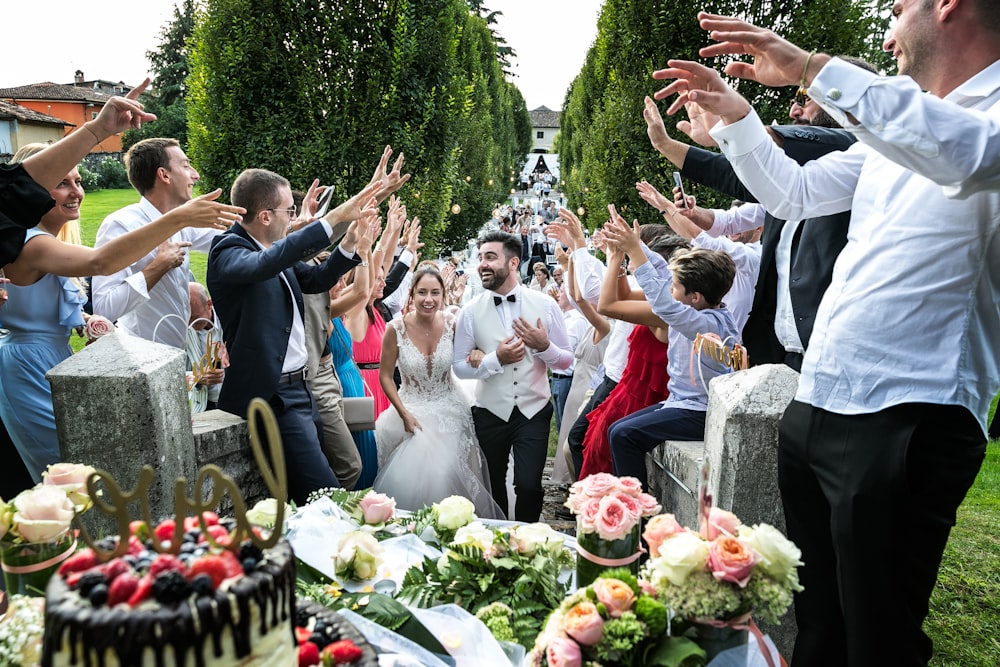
(353, 387)
(40, 318)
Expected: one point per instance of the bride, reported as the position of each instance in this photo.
(427, 444)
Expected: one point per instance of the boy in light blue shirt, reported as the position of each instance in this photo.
(703, 344)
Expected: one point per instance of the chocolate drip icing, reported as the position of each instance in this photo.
(190, 628)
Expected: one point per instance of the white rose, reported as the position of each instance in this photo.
(265, 513)
(42, 513)
(680, 555)
(475, 534)
(358, 556)
(535, 537)
(778, 555)
(454, 512)
(72, 479)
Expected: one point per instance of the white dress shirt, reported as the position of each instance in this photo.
(123, 296)
(911, 312)
(746, 256)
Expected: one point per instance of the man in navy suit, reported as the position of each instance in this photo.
(256, 281)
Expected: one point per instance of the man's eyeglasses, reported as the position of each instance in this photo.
(801, 97)
(292, 211)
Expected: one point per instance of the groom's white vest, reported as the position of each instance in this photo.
(524, 384)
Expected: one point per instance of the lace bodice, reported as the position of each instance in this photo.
(426, 378)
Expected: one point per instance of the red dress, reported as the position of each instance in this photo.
(367, 354)
(643, 383)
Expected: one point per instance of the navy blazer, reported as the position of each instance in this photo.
(255, 308)
(815, 248)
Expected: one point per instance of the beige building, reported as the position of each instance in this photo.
(544, 127)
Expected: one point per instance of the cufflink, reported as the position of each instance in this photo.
(834, 94)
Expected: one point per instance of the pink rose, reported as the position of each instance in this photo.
(720, 522)
(616, 596)
(659, 528)
(649, 504)
(630, 485)
(563, 652)
(587, 517)
(614, 520)
(584, 623)
(96, 327)
(631, 503)
(599, 484)
(71, 478)
(42, 514)
(729, 559)
(377, 508)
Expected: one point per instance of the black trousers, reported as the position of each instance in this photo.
(529, 438)
(579, 430)
(870, 500)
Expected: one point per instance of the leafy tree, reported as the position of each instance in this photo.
(602, 142)
(165, 97)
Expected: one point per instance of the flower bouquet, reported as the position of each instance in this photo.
(517, 566)
(608, 512)
(615, 623)
(35, 535)
(713, 579)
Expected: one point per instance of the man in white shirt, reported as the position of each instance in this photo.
(520, 334)
(156, 287)
(887, 431)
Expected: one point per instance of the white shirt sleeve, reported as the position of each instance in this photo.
(736, 220)
(123, 291)
(589, 273)
(464, 344)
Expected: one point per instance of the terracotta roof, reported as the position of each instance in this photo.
(540, 117)
(24, 114)
(53, 91)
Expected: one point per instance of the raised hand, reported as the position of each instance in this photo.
(204, 211)
(620, 234)
(695, 82)
(388, 181)
(120, 113)
(567, 229)
(702, 121)
(354, 230)
(653, 197)
(170, 255)
(776, 61)
(655, 129)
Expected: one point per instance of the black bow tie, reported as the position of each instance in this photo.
(497, 300)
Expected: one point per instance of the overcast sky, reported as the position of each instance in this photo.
(108, 39)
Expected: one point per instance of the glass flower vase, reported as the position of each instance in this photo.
(596, 555)
(715, 639)
(27, 566)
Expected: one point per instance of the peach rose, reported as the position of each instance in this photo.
(97, 326)
(615, 595)
(649, 504)
(729, 559)
(376, 508)
(659, 528)
(720, 522)
(614, 520)
(584, 623)
(563, 652)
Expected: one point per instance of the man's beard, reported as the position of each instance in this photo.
(498, 278)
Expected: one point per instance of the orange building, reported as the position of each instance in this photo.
(73, 104)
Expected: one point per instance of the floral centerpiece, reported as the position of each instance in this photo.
(517, 566)
(612, 622)
(608, 512)
(35, 535)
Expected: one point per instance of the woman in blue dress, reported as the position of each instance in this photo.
(353, 289)
(44, 306)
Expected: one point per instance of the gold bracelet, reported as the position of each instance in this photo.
(802, 81)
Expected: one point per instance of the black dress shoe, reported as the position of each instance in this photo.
(565, 514)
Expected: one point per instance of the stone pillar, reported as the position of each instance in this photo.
(121, 404)
(741, 441)
(741, 447)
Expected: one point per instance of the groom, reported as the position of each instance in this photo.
(521, 333)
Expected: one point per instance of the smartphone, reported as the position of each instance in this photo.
(680, 184)
(460, 272)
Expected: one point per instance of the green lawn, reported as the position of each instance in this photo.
(97, 205)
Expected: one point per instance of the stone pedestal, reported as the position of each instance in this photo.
(121, 403)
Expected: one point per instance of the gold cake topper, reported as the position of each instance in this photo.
(114, 502)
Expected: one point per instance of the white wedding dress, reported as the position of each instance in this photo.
(442, 458)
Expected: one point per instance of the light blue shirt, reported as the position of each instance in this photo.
(911, 312)
(689, 373)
